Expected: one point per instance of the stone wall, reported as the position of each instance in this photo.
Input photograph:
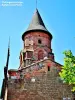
(32, 39)
(45, 86)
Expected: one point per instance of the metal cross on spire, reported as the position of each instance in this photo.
(36, 4)
(9, 43)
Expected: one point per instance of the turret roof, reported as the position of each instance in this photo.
(36, 24)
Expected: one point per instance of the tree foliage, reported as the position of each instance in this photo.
(67, 73)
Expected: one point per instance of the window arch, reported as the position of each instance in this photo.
(48, 68)
(40, 55)
(39, 41)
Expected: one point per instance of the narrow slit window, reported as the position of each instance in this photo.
(48, 68)
(39, 41)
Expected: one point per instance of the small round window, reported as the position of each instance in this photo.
(39, 41)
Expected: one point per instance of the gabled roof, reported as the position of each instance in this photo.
(36, 24)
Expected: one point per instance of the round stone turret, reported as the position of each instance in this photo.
(37, 42)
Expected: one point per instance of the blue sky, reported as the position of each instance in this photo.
(58, 16)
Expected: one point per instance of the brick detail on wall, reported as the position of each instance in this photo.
(47, 86)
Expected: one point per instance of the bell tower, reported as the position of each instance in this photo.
(37, 42)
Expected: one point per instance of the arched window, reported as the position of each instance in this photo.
(24, 56)
(40, 55)
(20, 59)
(48, 68)
(39, 41)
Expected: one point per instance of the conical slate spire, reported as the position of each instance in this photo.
(36, 24)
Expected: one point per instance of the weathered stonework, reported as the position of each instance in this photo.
(47, 86)
(45, 45)
(37, 77)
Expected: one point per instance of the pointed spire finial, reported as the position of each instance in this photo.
(36, 4)
(9, 42)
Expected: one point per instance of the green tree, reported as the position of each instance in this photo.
(67, 73)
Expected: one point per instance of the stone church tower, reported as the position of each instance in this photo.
(37, 42)
(37, 77)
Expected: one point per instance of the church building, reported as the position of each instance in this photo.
(37, 77)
